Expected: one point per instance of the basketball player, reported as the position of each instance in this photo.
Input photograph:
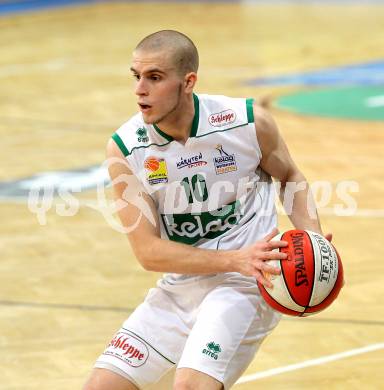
(195, 174)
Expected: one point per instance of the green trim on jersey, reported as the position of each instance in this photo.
(147, 146)
(249, 103)
(194, 128)
(164, 135)
(120, 144)
(124, 149)
(221, 131)
(195, 122)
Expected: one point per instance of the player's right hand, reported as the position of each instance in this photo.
(254, 259)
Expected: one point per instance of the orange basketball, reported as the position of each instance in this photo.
(152, 164)
(311, 277)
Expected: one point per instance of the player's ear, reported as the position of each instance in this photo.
(190, 81)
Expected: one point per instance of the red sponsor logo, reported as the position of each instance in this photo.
(128, 348)
(222, 118)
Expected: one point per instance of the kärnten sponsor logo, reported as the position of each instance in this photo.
(191, 162)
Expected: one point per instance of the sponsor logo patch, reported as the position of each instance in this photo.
(128, 348)
(225, 162)
(190, 228)
(142, 135)
(212, 350)
(156, 170)
(222, 118)
(191, 162)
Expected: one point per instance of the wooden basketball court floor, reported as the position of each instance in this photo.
(66, 286)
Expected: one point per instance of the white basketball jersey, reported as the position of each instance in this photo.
(210, 192)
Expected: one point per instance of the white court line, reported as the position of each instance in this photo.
(309, 363)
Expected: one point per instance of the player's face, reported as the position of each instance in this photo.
(158, 85)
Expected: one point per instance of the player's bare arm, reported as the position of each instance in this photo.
(160, 255)
(295, 192)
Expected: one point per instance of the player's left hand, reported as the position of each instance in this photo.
(329, 237)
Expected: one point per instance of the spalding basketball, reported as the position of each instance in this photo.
(311, 277)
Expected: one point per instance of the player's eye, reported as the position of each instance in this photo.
(136, 76)
(155, 77)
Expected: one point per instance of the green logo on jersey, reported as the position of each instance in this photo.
(141, 133)
(190, 228)
(212, 350)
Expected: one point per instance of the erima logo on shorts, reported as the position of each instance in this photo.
(127, 348)
(212, 350)
(222, 118)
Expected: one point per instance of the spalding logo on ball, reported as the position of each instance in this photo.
(311, 277)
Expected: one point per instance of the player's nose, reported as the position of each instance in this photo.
(141, 87)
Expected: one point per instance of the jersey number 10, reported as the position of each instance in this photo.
(195, 189)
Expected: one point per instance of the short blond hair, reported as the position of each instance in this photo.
(183, 51)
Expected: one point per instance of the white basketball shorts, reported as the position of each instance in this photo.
(211, 324)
